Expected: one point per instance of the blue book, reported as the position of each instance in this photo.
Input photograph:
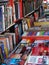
(2, 22)
(2, 50)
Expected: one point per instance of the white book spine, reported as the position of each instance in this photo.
(3, 18)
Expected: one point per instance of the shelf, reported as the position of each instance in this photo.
(7, 28)
(14, 50)
(10, 26)
(31, 12)
(3, 1)
(36, 37)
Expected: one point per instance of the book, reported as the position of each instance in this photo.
(20, 9)
(13, 38)
(5, 15)
(10, 41)
(4, 41)
(2, 50)
(16, 10)
(7, 39)
(2, 22)
(17, 33)
(9, 11)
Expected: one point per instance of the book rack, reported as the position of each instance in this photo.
(20, 18)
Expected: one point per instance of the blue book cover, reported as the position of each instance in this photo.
(2, 50)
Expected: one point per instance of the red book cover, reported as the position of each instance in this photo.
(21, 8)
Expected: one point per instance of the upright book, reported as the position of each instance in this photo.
(2, 22)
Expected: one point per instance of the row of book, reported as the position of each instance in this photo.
(30, 24)
(21, 53)
(33, 52)
(9, 14)
(7, 44)
(30, 5)
(5, 17)
(40, 33)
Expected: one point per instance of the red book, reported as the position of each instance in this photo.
(21, 8)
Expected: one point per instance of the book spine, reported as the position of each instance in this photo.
(11, 45)
(2, 50)
(21, 8)
(3, 18)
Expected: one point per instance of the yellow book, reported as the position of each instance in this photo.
(28, 22)
(41, 23)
